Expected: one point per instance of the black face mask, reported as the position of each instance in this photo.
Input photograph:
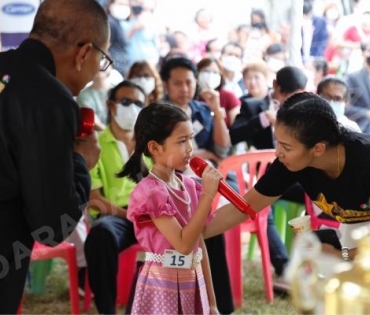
(260, 25)
(137, 9)
(368, 60)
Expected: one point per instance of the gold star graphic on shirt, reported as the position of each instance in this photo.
(323, 204)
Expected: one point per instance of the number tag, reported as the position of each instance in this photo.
(173, 259)
(197, 127)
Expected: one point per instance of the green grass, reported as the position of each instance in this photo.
(56, 298)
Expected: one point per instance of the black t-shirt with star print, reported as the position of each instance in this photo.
(346, 198)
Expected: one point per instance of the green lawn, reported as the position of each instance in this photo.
(56, 299)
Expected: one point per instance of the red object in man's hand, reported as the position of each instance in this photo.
(87, 122)
(198, 165)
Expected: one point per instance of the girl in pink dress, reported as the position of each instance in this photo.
(169, 212)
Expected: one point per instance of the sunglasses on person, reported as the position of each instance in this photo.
(128, 101)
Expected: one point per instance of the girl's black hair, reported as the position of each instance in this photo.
(311, 120)
(155, 122)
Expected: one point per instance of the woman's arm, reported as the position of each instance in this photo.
(228, 216)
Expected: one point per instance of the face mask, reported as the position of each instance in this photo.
(259, 25)
(209, 80)
(120, 12)
(338, 108)
(231, 63)
(147, 84)
(332, 14)
(275, 64)
(126, 116)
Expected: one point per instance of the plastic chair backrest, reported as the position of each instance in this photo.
(248, 168)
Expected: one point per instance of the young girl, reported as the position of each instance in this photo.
(169, 212)
(330, 162)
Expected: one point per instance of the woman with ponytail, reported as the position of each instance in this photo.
(169, 211)
(330, 162)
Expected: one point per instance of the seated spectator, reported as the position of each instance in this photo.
(111, 232)
(231, 62)
(147, 77)
(141, 32)
(200, 33)
(213, 48)
(335, 91)
(210, 77)
(316, 69)
(242, 34)
(118, 10)
(314, 33)
(256, 76)
(259, 22)
(275, 57)
(359, 107)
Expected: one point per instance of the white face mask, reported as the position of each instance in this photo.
(119, 11)
(338, 108)
(231, 63)
(147, 84)
(126, 116)
(275, 64)
(332, 14)
(208, 80)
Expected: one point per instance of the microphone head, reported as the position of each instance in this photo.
(198, 165)
(87, 122)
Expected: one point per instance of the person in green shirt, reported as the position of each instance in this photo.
(111, 232)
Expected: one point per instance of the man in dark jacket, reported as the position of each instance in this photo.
(44, 180)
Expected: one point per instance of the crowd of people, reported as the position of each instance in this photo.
(159, 99)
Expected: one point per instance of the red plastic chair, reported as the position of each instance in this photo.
(126, 271)
(317, 222)
(67, 251)
(257, 162)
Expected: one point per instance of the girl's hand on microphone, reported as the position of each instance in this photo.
(210, 180)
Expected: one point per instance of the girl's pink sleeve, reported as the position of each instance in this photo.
(149, 200)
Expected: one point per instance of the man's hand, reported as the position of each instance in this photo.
(88, 147)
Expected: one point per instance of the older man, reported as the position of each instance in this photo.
(44, 179)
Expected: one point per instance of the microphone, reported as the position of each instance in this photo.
(87, 122)
(198, 165)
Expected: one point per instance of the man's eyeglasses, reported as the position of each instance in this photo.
(127, 102)
(105, 61)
